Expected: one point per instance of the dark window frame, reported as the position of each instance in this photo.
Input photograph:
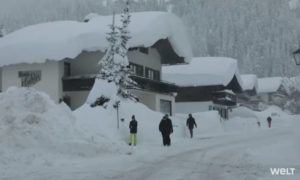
(137, 69)
(152, 74)
(67, 69)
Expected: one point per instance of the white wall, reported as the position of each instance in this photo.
(165, 97)
(147, 98)
(152, 59)
(192, 107)
(152, 100)
(50, 78)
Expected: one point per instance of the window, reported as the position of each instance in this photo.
(137, 69)
(67, 69)
(30, 78)
(166, 107)
(152, 74)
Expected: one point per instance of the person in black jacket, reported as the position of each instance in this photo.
(269, 119)
(190, 123)
(133, 130)
(166, 128)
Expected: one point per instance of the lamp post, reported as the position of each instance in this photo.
(117, 105)
(296, 55)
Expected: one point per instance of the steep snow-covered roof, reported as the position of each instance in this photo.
(203, 71)
(249, 82)
(269, 85)
(67, 39)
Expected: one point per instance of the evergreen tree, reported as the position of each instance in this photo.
(107, 62)
(125, 71)
(114, 64)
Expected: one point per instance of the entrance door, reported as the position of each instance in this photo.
(166, 106)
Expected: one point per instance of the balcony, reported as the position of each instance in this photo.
(86, 82)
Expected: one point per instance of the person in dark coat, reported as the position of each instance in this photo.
(190, 123)
(133, 131)
(269, 119)
(166, 128)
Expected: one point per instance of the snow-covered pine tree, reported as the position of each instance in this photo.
(123, 30)
(107, 62)
(122, 49)
(114, 64)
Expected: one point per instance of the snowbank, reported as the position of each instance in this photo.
(35, 130)
(67, 39)
(203, 71)
(102, 120)
(29, 119)
(42, 140)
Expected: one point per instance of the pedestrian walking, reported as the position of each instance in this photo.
(191, 123)
(133, 131)
(269, 119)
(166, 128)
(258, 123)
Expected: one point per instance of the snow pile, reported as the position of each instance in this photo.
(269, 85)
(203, 71)
(67, 39)
(33, 129)
(30, 119)
(102, 120)
(102, 88)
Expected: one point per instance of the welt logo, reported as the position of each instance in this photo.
(282, 171)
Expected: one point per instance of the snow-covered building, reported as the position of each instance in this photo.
(248, 97)
(271, 90)
(205, 82)
(61, 58)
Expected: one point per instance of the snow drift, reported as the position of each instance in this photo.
(32, 126)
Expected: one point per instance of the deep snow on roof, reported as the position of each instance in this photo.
(269, 85)
(249, 82)
(67, 39)
(203, 71)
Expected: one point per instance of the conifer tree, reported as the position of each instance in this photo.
(114, 64)
(125, 71)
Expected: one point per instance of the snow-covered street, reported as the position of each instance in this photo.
(51, 142)
(221, 157)
(43, 140)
